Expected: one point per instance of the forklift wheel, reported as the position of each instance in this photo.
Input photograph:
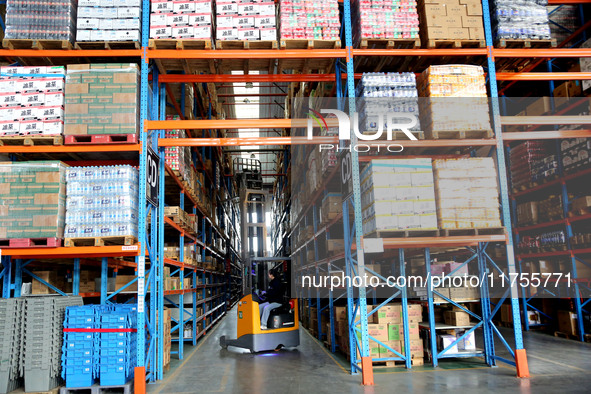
(223, 343)
(279, 347)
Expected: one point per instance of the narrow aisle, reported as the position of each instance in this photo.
(209, 368)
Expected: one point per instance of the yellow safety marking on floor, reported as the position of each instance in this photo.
(224, 380)
(178, 369)
(557, 363)
(327, 352)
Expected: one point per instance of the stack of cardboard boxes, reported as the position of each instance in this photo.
(102, 99)
(451, 20)
(167, 337)
(385, 20)
(250, 20)
(309, 20)
(397, 194)
(109, 20)
(181, 20)
(467, 193)
(32, 200)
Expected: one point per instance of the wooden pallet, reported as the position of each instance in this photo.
(309, 44)
(440, 43)
(99, 241)
(565, 335)
(449, 232)
(31, 140)
(179, 44)
(460, 134)
(415, 362)
(180, 217)
(31, 243)
(515, 43)
(403, 233)
(89, 139)
(36, 44)
(245, 44)
(126, 388)
(108, 45)
(390, 43)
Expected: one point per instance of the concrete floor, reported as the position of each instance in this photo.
(556, 365)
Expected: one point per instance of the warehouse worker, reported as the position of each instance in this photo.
(274, 298)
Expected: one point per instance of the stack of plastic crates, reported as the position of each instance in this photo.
(11, 311)
(44, 318)
(78, 350)
(118, 349)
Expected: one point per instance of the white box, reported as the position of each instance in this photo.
(409, 221)
(90, 12)
(267, 8)
(32, 99)
(248, 9)
(159, 19)
(203, 6)
(51, 113)
(31, 127)
(127, 35)
(129, 12)
(445, 341)
(88, 24)
(243, 22)
(183, 7)
(107, 3)
(10, 99)
(226, 33)
(468, 343)
(160, 32)
(128, 3)
(126, 24)
(55, 70)
(162, 7)
(9, 85)
(226, 8)
(178, 20)
(428, 220)
(53, 127)
(249, 34)
(89, 3)
(265, 21)
(9, 127)
(83, 35)
(98, 35)
(32, 70)
(10, 70)
(106, 24)
(28, 113)
(202, 32)
(182, 32)
(224, 21)
(200, 19)
(54, 99)
(10, 114)
(27, 85)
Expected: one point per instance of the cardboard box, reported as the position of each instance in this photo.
(581, 203)
(506, 313)
(568, 89)
(539, 107)
(416, 348)
(567, 322)
(49, 277)
(457, 318)
(378, 331)
(444, 341)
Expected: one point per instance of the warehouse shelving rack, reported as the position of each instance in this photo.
(145, 55)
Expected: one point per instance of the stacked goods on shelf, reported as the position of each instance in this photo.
(102, 202)
(451, 20)
(247, 20)
(534, 212)
(543, 170)
(330, 207)
(32, 200)
(102, 99)
(32, 100)
(455, 317)
(575, 154)
(181, 20)
(42, 340)
(564, 19)
(521, 162)
(100, 20)
(520, 20)
(384, 20)
(11, 316)
(40, 20)
(386, 92)
(397, 194)
(167, 337)
(549, 241)
(309, 20)
(451, 88)
(467, 193)
(107, 356)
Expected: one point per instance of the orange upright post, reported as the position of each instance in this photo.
(139, 380)
(367, 371)
(521, 363)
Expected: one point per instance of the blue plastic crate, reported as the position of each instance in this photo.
(78, 376)
(114, 378)
(87, 361)
(113, 352)
(79, 336)
(113, 360)
(71, 352)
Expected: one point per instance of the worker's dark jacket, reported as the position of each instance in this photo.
(275, 291)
